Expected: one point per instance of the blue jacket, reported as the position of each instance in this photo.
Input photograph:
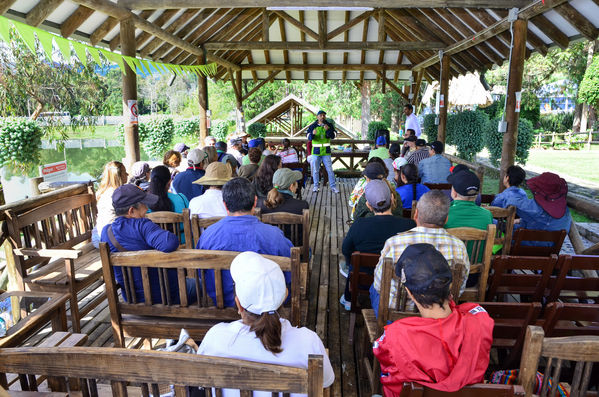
(241, 233)
(508, 195)
(434, 169)
(137, 234)
(329, 134)
(183, 183)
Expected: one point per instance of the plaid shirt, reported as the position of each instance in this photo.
(417, 155)
(452, 248)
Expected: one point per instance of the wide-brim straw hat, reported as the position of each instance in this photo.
(217, 174)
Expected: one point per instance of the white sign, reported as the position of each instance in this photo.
(442, 101)
(518, 99)
(54, 172)
(133, 113)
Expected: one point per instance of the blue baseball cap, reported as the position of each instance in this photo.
(381, 141)
(254, 143)
(127, 195)
(321, 112)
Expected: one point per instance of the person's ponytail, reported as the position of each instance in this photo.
(267, 327)
(274, 198)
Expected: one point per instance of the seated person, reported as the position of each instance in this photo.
(263, 178)
(419, 154)
(235, 149)
(410, 190)
(253, 143)
(394, 151)
(210, 203)
(448, 346)
(140, 175)
(160, 184)
(249, 170)
(512, 180)
(241, 231)
(409, 142)
(463, 211)
(369, 234)
(434, 169)
(431, 216)
(377, 170)
(132, 231)
(358, 189)
(262, 335)
(223, 156)
(197, 159)
(381, 151)
(287, 153)
(172, 159)
(281, 197)
(548, 210)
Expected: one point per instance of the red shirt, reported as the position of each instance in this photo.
(443, 354)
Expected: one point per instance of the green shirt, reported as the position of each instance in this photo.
(464, 213)
(245, 160)
(382, 153)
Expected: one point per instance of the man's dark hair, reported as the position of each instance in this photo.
(239, 194)
(255, 154)
(409, 106)
(412, 132)
(438, 293)
(515, 175)
(125, 210)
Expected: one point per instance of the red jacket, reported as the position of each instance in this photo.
(443, 354)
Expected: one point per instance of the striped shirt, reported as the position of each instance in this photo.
(417, 155)
(452, 248)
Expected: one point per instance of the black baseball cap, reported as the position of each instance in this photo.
(321, 112)
(422, 265)
(437, 146)
(465, 183)
(127, 195)
(457, 168)
(420, 142)
(411, 138)
(374, 171)
(220, 145)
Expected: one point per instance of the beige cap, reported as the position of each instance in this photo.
(217, 174)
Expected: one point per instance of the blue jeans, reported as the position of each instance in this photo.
(328, 165)
(374, 300)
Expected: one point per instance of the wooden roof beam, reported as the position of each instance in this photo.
(532, 10)
(270, 78)
(179, 23)
(41, 11)
(5, 5)
(392, 85)
(331, 45)
(328, 67)
(349, 24)
(160, 21)
(75, 20)
(578, 21)
(102, 30)
(160, 4)
(116, 40)
(297, 24)
(363, 53)
(285, 52)
(303, 38)
(345, 38)
(121, 13)
(551, 31)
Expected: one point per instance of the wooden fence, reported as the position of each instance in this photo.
(590, 138)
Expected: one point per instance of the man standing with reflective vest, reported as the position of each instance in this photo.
(320, 133)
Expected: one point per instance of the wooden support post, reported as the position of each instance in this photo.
(508, 152)
(128, 47)
(444, 92)
(203, 100)
(239, 101)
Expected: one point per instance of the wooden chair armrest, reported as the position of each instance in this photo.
(49, 253)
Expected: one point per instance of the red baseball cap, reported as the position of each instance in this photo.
(550, 192)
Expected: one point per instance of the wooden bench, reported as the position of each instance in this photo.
(180, 224)
(504, 229)
(556, 238)
(570, 319)
(476, 390)
(357, 278)
(53, 249)
(583, 350)
(565, 286)
(149, 370)
(199, 224)
(164, 320)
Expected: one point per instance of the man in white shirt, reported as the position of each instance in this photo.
(411, 119)
(210, 203)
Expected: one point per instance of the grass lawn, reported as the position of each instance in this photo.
(581, 164)
(99, 132)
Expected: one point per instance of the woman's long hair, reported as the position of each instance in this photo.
(212, 155)
(112, 177)
(410, 171)
(263, 178)
(159, 180)
(267, 328)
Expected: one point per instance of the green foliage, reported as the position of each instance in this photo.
(556, 122)
(465, 130)
(429, 127)
(530, 107)
(495, 109)
(20, 142)
(373, 127)
(159, 137)
(589, 88)
(142, 131)
(189, 128)
(220, 129)
(494, 140)
(257, 130)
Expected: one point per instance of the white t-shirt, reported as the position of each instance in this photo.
(106, 213)
(208, 204)
(412, 123)
(235, 340)
(288, 156)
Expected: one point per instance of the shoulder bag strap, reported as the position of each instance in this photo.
(113, 240)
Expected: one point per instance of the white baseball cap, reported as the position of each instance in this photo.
(399, 162)
(259, 283)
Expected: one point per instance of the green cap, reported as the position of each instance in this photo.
(284, 177)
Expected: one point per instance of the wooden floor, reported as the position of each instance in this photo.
(329, 214)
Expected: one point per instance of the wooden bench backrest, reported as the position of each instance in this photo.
(521, 235)
(438, 186)
(584, 350)
(531, 283)
(566, 285)
(477, 390)
(357, 277)
(482, 247)
(152, 369)
(487, 198)
(296, 228)
(188, 263)
(199, 224)
(60, 224)
(570, 319)
(180, 224)
(504, 229)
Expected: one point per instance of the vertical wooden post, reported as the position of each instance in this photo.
(239, 101)
(508, 152)
(442, 129)
(128, 47)
(203, 100)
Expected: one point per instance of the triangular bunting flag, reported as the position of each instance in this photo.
(64, 47)
(131, 64)
(26, 33)
(118, 59)
(80, 51)
(146, 66)
(156, 66)
(5, 29)
(45, 39)
(140, 68)
(95, 54)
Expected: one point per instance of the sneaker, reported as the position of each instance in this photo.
(343, 269)
(334, 190)
(315, 189)
(346, 305)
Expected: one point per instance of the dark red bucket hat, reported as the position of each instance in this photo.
(550, 193)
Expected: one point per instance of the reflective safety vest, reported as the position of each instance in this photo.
(321, 145)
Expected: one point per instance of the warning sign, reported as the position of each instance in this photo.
(518, 100)
(441, 101)
(54, 172)
(133, 113)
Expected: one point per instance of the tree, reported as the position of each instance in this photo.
(589, 88)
